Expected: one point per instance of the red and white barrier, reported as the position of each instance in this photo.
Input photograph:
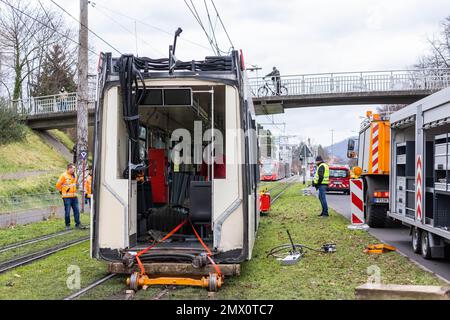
(375, 144)
(419, 189)
(357, 204)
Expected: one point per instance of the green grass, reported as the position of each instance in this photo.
(30, 185)
(30, 231)
(67, 142)
(63, 138)
(29, 201)
(31, 154)
(42, 245)
(316, 276)
(47, 279)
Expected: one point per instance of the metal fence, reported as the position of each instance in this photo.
(29, 201)
(353, 82)
(65, 102)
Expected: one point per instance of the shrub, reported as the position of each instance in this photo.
(12, 127)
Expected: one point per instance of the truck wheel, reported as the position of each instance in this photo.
(426, 249)
(416, 240)
(375, 216)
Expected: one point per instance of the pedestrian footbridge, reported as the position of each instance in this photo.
(296, 91)
(347, 88)
(52, 112)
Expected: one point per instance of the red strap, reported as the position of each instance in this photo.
(207, 250)
(200, 239)
(171, 233)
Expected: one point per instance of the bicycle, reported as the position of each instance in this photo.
(265, 89)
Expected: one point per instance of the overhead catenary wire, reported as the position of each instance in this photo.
(213, 31)
(97, 5)
(128, 30)
(15, 9)
(223, 25)
(84, 26)
(194, 12)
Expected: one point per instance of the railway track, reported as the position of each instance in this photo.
(161, 293)
(33, 241)
(26, 259)
(91, 286)
(281, 187)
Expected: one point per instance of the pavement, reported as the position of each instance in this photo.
(398, 237)
(33, 215)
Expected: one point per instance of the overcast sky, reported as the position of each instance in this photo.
(297, 36)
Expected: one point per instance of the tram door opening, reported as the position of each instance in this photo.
(178, 143)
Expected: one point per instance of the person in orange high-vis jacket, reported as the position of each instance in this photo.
(88, 188)
(67, 187)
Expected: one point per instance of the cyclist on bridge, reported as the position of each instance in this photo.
(276, 79)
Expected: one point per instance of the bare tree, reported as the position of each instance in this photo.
(387, 109)
(28, 31)
(439, 55)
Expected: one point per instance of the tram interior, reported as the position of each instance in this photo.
(170, 191)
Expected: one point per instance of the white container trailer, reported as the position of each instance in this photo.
(420, 172)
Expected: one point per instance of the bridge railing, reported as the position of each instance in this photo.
(65, 102)
(353, 82)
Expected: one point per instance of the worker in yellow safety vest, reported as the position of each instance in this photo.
(88, 188)
(321, 180)
(67, 187)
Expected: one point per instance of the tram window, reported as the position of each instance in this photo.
(177, 97)
(153, 97)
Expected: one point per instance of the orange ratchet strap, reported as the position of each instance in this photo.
(216, 267)
(171, 233)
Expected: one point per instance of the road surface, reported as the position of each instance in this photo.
(398, 237)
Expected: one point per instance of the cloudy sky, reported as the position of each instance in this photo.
(297, 36)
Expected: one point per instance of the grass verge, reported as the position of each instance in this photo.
(42, 245)
(34, 230)
(316, 276)
(31, 154)
(53, 277)
(63, 138)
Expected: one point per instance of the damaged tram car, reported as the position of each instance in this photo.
(175, 188)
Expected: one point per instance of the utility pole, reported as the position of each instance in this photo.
(82, 98)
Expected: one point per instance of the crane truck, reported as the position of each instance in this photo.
(373, 167)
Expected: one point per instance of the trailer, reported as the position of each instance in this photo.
(420, 172)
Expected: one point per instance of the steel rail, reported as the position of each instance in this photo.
(289, 183)
(34, 240)
(23, 260)
(91, 286)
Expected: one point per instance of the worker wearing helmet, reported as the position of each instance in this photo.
(321, 180)
(67, 187)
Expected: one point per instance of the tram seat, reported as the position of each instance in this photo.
(200, 196)
(144, 204)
